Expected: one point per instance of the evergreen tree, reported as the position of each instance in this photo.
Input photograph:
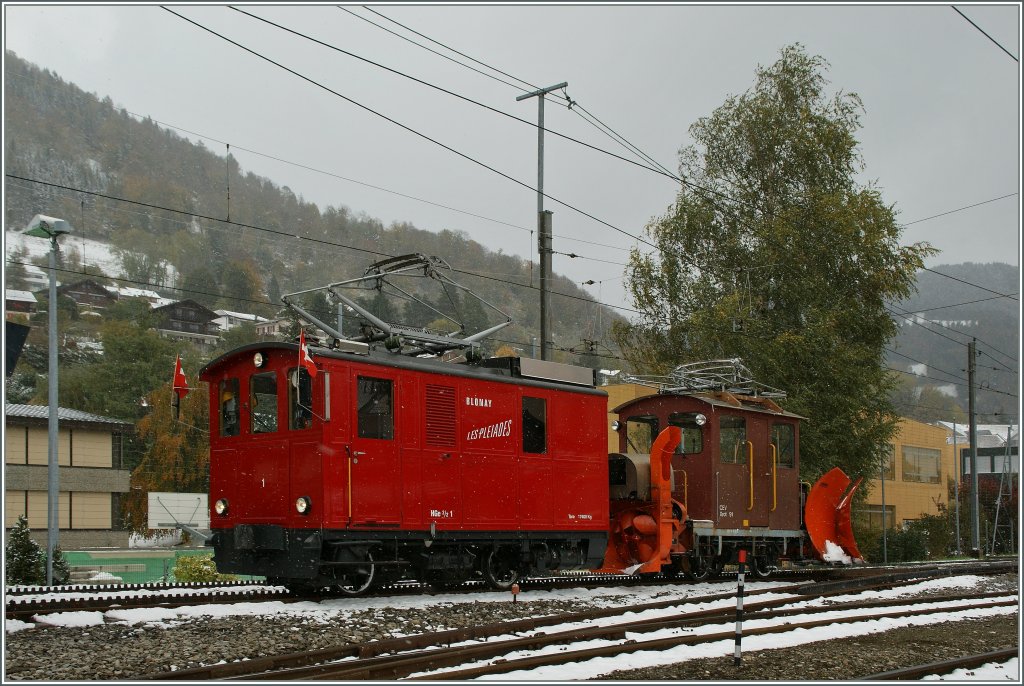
(24, 560)
(61, 567)
(773, 252)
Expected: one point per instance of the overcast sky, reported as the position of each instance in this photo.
(940, 131)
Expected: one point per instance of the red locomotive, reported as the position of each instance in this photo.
(383, 465)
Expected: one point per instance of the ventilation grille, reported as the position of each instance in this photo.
(440, 416)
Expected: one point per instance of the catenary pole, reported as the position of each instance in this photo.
(52, 480)
(956, 488)
(975, 530)
(543, 227)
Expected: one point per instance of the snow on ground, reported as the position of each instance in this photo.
(90, 252)
(991, 671)
(159, 539)
(689, 597)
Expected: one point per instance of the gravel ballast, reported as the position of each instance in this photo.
(119, 651)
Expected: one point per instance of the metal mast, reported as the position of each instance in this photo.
(543, 222)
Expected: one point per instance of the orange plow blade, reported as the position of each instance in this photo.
(827, 516)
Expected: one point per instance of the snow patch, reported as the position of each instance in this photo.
(834, 553)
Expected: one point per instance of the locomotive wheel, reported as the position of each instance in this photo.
(360, 579)
(763, 567)
(698, 570)
(498, 573)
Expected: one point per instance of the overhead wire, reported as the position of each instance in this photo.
(570, 104)
(241, 300)
(985, 34)
(450, 92)
(286, 234)
(408, 128)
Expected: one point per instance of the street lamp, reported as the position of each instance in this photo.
(42, 226)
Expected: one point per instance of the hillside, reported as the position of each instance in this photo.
(941, 319)
(270, 241)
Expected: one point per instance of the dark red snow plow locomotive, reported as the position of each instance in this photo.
(710, 465)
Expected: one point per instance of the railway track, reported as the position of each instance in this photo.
(22, 605)
(155, 586)
(401, 657)
(945, 666)
(25, 610)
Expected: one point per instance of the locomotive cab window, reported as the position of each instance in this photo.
(375, 417)
(640, 433)
(229, 407)
(263, 402)
(732, 439)
(783, 438)
(300, 399)
(535, 425)
(691, 437)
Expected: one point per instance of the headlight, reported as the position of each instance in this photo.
(258, 359)
(221, 506)
(700, 419)
(616, 425)
(302, 505)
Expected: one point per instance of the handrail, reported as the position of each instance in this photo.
(750, 467)
(775, 460)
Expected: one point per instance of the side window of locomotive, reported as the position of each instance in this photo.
(784, 440)
(692, 439)
(640, 433)
(229, 407)
(375, 413)
(732, 438)
(263, 402)
(535, 438)
(300, 399)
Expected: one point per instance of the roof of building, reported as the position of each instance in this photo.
(64, 414)
(26, 296)
(241, 315)
(130, 292)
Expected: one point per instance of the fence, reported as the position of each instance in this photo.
(128, 566)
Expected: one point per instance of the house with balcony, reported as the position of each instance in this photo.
(187, 320)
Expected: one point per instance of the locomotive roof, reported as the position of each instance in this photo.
(724, 400)
(505, 373)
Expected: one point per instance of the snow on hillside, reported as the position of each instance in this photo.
(83, 250)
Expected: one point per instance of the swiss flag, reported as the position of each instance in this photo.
(305, 360)
(180, 383)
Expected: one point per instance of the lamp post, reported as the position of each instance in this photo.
(52, 228)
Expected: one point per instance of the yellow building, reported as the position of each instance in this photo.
(618, 394)
(90, 467)
(916, 476)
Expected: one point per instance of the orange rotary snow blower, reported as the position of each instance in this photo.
(827, 517)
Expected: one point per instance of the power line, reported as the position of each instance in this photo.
(985, 34)
(912, 359)
(452, 93)
(968, 283)
(949, 328)
(428, 49)
(969, 302)
(571, 104)
(285, 234)
(955, 383)
(961, 209)
(237, 299)
(408, 128)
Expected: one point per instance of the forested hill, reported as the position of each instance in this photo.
(58, 133)
(935, 326)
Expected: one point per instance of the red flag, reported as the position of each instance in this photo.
(305, 360)
(180, 383)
